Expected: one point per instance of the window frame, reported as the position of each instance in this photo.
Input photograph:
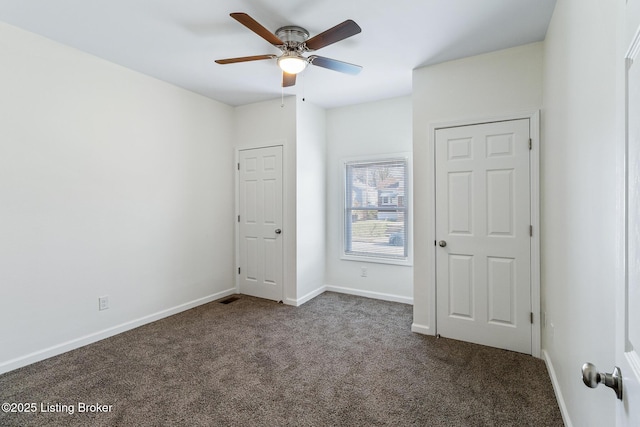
(408, 207)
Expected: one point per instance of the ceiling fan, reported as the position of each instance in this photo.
(293, 41)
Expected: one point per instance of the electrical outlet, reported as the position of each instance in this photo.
(103, 303)
(363, 271)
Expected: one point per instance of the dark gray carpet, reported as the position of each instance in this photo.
(338, 360)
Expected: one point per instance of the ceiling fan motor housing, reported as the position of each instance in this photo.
(293, 37)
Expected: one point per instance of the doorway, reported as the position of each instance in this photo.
(483, 229)
(260, 248)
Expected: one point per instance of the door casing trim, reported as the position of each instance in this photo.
(236, 226)
(534, 171)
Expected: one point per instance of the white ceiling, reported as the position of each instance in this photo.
(178, 40)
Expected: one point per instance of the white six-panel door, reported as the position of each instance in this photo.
(628, 298)
(260, 223)
(483, 263)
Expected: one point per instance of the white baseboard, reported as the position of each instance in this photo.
(370, 294)
(556, 388)
(73, 344)
(421, 329)
(290, 301)
(350, 291)
(308, 297)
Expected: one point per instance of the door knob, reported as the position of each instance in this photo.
(278, 231)
(591, 378)
(442, 243)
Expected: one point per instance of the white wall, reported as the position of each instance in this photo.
(580, 160)
(381, 127)
(272, 123)
(311, 194)
(498, 83)
(111, 183)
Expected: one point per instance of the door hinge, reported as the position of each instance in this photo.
(238, 218)
(531, 230)
(238, 270)
(238, 166)
(531, 317)
(530, 144)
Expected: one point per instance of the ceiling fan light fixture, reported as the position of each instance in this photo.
(292, 63)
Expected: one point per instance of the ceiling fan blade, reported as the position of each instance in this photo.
(288, 79)
(254, 26)
(340, 32)
(332, 64)
(244, 59)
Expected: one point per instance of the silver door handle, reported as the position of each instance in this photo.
(442, 243)
(278, 231)
(591, 378)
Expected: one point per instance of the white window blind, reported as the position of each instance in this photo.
(376, 209)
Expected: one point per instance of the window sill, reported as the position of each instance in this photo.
(375, 260)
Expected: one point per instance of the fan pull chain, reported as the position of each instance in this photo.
(282, 98)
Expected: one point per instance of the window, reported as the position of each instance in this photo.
(375, 214)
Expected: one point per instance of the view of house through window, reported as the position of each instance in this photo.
(376, 209)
